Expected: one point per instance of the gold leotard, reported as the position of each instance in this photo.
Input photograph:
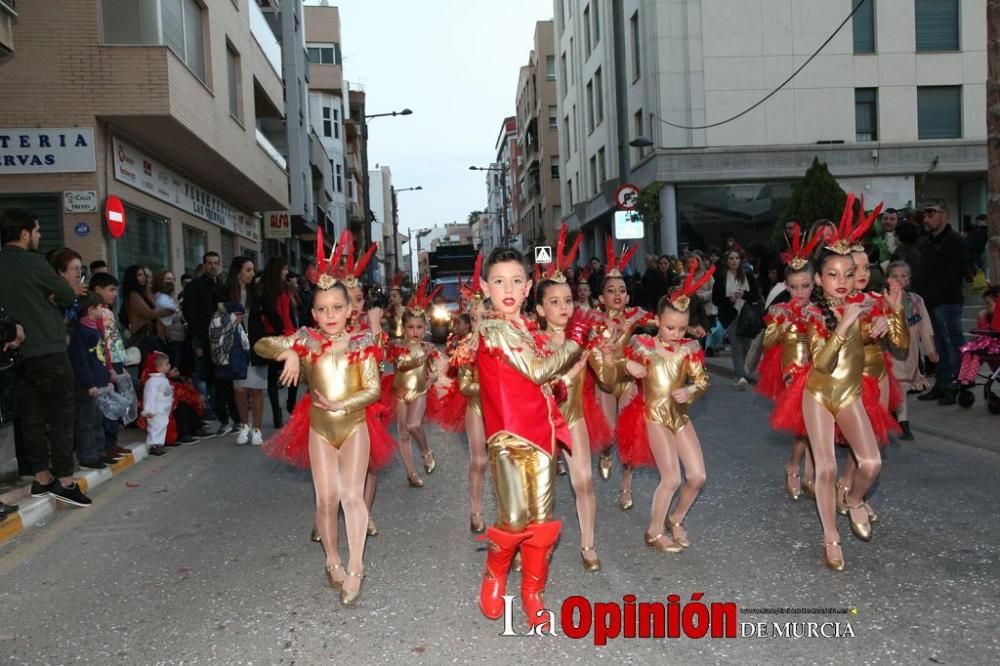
(413, 366)
(349, 375)
(622, 381)
(898, 336)
(668, 368)
(794, 340)
(838, 363)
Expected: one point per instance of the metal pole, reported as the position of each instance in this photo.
(395, 231)
(503, 203)
(621, 91)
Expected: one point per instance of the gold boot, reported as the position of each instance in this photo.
(429, 467)
(655, 543)
(862, 530)
(625, 500)
(350, 598)
(842, 498)
(604, 465)
(372, 527)
(834, 565)
(314, 535)
(476, 523)
(590, 565)
(330, 582)
(681, 540)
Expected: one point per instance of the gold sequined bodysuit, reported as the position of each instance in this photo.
(628, 321)
(794, 340)
(413, 369)
(898, 336)
(838, 363)
(668, 367)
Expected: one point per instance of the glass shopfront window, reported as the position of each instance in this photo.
(146, 241)
(707, 215)
(195, 247)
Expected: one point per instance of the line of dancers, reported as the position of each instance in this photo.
(573, 385)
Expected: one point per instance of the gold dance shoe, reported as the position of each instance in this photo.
(372, 527)
(414, 480)
(351, 598)
(842, 499)
(314, 535)
(590, 565)
(872, 516)
(793, 487)
(429, 467)
(681, 540)
(862, 530)
(808, 490)
(625, 500)
(476, 523)
(832, 564)
(604, 465)
(330, 582)
(655, 543)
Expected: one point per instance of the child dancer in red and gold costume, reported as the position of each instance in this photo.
(414, 361)
(655, 428)
(394, 311)
(786, 359)
(616, 390)
(832, 388)
(334, 431)
(523, 428)
(587, 424)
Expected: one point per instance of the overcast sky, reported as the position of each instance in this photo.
(455, 63)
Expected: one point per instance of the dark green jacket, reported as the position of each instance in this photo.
(28, 286)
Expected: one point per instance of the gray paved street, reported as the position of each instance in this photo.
(203, 557)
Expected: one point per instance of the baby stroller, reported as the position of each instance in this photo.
(983, 348)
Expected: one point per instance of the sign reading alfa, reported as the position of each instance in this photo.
(47, 150)
(144, 173)
(277, 225)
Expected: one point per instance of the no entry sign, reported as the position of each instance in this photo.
(114, 216)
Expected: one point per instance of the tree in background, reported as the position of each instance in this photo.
(815, 197)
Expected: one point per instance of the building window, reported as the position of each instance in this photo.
(586, 31)
(864, 27)
(866, 114)
(597, 22)
(235, 82)
(550, 67)
(176, 24)
(939, 112)
(569, 191)
(601, 175)
(195, 246)
(593, 174)
(553, 118)
(339, 178)
(598, 97)
(636, 49)
(572, 74)
(562, 71)
(324, 55)
(937, 25)
(336, 123)
(327, 121)
(637, 123)
(147, 242)
(566, 132)
(574, 129)
(554, 169)
(590, 106)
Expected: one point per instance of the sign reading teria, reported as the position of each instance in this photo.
(146, 174)
(277, 225)
(47, 150)
(543, 254)
(627, 197)
(80, 202)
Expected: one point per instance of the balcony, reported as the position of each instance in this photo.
(354, 212)
(269, 44)
(271, 151)
(7, 14)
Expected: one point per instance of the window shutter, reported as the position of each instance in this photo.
(937, 25)
(864, 28)
(939, 112)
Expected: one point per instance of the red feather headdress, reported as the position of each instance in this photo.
(849, 235)
(397, 280)
(470, 290)
(617, 265)
(556, 271)
(421, 300)
(796, 257)
(680, 297)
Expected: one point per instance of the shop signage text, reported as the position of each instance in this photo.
(277, 225)
(84, 201)
(47, 150)
(146, 174)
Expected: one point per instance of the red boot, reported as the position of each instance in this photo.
(501, 551)
(535, 554)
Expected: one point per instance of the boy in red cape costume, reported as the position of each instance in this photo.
(523, 428)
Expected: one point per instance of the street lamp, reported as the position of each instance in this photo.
(503, 196)
(414, 265)
(395, 218)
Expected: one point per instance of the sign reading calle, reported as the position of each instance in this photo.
(146, 174)
(80, 202)
(47, 150)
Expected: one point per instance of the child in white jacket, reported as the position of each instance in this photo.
(157, 401)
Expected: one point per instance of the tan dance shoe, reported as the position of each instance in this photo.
(429, 467)
(330, 582)
(351, 598)
(832, 564)
(625, 500)
(476, 523)
(681, 540)
(590, 565)
(655, 543)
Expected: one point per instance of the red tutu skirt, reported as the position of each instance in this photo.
(771, 382)
(290, 445)
(598, 428)
(881, 418)
(387, 400)
(448, 411)
(895, 392)
(787, 413)
(633, 438)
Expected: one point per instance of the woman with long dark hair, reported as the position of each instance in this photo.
(732, 291)
(276, 305)
(138, 313)
(239, 290)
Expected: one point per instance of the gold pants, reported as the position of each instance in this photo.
(524, 478)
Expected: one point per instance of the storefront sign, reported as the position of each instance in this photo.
(146, 174)
(80, 202)
(47, 150)
(277, 225)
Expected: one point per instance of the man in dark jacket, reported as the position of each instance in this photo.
(35, 297)
(199, 304)
(943, 265)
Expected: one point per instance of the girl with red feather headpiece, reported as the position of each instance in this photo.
(655, 429)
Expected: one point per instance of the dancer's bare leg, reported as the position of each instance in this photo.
(664, 450)
(820, 426)
(477, 459)
(325, 464)
(414, 421)
(405, 452)
(354, 454)
(854, 423)
(689, 453)
(581, 476)
(371, 485)
(626, 398)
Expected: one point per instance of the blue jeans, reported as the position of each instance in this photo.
(947, 323)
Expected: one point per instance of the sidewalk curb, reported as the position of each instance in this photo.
(36, 510)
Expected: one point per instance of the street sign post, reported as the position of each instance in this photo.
(543, 254)
(627, 197)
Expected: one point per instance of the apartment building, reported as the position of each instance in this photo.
(382, 228)
(503, 191)
(894, 104)
(539, 211)
(150, 101)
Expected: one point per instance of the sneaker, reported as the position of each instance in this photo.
(243, 437)
(257, 438)
(41, 489)
(72, 495)
(741, 383)
(225, 429)
(96, 464)
(204, 433)
(188, 439)
(157, 451)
